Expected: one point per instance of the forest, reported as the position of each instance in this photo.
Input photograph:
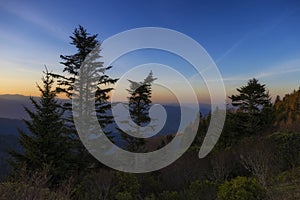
(256, 157)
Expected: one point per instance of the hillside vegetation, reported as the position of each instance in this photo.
(256, 157)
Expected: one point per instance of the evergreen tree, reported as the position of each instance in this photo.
(138, 105)
(88, 51)
(85, 44)
(252, 97)
(47, 144)
(254, 106)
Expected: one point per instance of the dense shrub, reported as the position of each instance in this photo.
(241, 188)
(33, 186)
(169, 195)
(285, 185)
(202, 190)
(150, 184)
(95, 185)
(123, 196)
(126, 186)
(287, 149)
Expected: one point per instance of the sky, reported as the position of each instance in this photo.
(246, 39)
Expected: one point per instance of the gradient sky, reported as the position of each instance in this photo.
(246, 39)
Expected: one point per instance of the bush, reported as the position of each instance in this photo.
(288, 149)
(285, 185)
(95, 185)
(33, 186)
(126, 183)
(241, 188)
(123, 196)
(150, 197)
(149, 184)
(169, 195)
(204, 190)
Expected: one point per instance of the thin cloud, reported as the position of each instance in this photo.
(271, 74)
(233, 47)
(28, 14)
(286, 67)
(258, 32)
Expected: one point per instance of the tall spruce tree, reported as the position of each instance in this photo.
(252, 97)
(139, 103)
(254, 105)
(47, 144)
(85, 44)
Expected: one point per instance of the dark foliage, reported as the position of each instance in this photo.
(48, 143)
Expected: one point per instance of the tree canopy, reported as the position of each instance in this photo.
(47, 144)
(252, 98)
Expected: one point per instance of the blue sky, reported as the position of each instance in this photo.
(245, 38)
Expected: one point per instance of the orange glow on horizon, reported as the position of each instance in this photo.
(159, 95)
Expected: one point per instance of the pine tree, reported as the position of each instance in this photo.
(88, 51)
(252, 97)
(47, 144)
(85, 43)
(138, 105)
(254, 106)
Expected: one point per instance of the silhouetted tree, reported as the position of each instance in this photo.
(138, 105)
(202, 130)
(252, 97)
(88, 51)
(47, 144)
(85, 44)
(253, 102)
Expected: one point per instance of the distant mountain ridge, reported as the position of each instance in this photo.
(12, 112)
(12, 106)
